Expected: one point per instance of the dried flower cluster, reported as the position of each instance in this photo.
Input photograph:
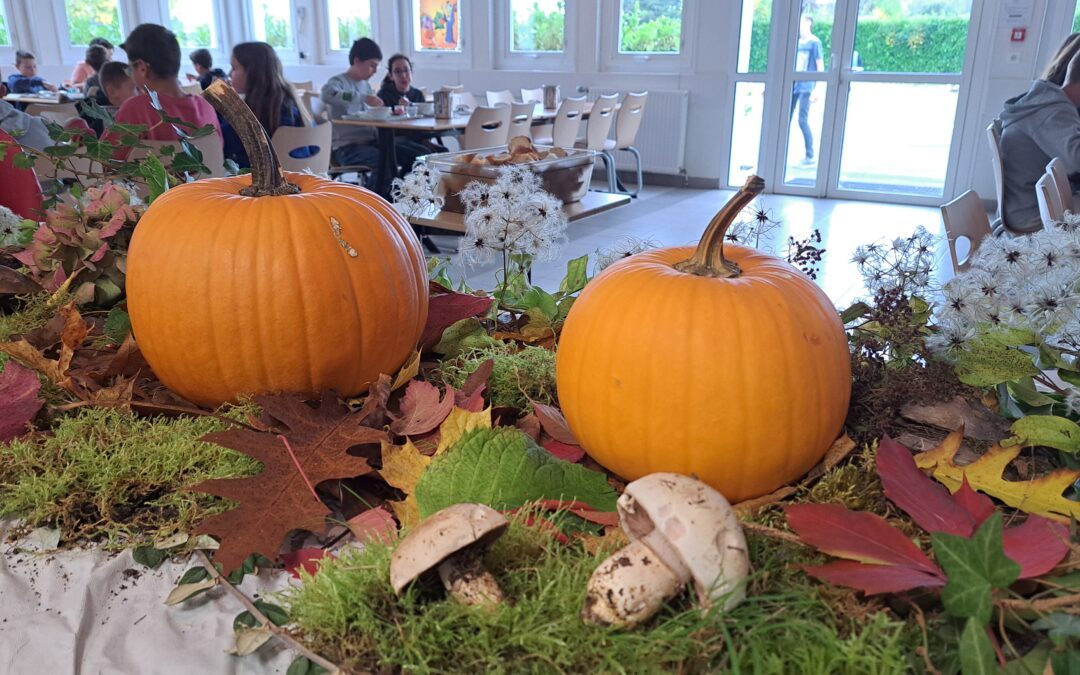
(417, 191)
(756, 230)
(10, 227)
(805, 254)
(624, 247)
(904, 264)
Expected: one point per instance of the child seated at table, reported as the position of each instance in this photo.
(154, 55)
(351, 92)
(96, 57)
(397, 90)
(26, 81)
(205, 71)
(117, 83)
(85, 69)
(26, 129)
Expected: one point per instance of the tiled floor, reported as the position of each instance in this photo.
(676, 216)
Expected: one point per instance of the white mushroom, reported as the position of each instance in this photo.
(453, 541)
(681, 530)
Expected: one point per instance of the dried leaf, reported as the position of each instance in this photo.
(250, 639)
(478, 379)
(612, 540)
(422, 409)
(1042, 496)
(278, 500)
(928, 503)
(1037, 546)
(72, 335)
(751, 505)
(836, 453)
(185, 591)
(375, 524)
(564, 451)
(473, 402)
(172, 542)
(458, 422)
(551, 418)
(874, 579)
(530, 425)
(402, 466)
(408, 371)
(19, 401)
(447, 309)
(14, 283)
(1046, 430)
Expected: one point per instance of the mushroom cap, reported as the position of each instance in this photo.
(693, 529)
(440, 536)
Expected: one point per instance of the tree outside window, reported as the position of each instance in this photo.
(5, 39)
(349, 21)
(88, 19)
(272, 22)
(650, 26)
(537, 25)
(192, 21)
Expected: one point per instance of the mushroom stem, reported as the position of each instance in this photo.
(468, 581)
(629, 587)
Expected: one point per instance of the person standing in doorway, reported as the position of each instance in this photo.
(807, 59)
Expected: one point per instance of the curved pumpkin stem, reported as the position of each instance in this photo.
(708, 260)
(266, 177)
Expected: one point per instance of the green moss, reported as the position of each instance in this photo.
(35, 313)
(349, 613)
(517, 374)
(107, 475)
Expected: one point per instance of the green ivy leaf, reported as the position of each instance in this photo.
(302, 665)
(157, 179)
(577, 275)
(1060, 627)
(117, 325)
(976, 653)
(194, 575)
(504, 469)
(149, 556)
(1065, 663)
(974, 568)
(1046, 430)
(461, 336)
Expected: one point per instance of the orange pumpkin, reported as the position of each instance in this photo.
(721, 362)
(272, 281)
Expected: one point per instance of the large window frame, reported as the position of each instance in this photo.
(506, 59)
(217, 21)
(290, 54)
(612, 60)
(71, 53)
(329, 56)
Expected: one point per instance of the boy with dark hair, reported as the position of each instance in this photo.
(96, 57)
(26, 80)
(26, 129)
(351, 92)
(116, 83)
(205, 71)
(154, 56)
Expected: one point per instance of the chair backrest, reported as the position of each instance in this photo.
(287, 139)
(209, 145)
(1056, 168)
(497, 97)
(567, 122)
(993, 137)
(533, 95)
(463, 99)
(194, 88)
(631, 112)
(488, 127)
(454, 88)
(965, 221)
(306, 85)
(59, 113)
(600, 119)
(521, 117)
(1050, 210)
(19, 188)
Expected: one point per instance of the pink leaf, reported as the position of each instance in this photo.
(927, 502)
(874, 579)
(551, 418)
(307, 559)
(373, 525)
(422, 409)
(581, 510)
(473, 402)
(1036, 546)
(564, 451)
(99, 253)
(978, 506)
(19, 402)
(856, 536)
(446, 310)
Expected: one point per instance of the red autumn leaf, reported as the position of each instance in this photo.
(375, 524)
(978, 506)
(473, 402)
(551, 418)
(859, 536)
(581, 510)
(447, 309)
(874, 579)
(19, 402)
(1036, 546)
(478, 379)
(927, 502)
(422, 409)
(307, 559)
(529, 425)
(564, 451)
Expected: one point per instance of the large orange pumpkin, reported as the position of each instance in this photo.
(721, 362)
(272, 281)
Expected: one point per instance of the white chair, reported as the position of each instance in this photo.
(993, 137)
(521, 117)
(60, 113)
(567, 122)
(1056, 168)
(596, 135)
(496, 97)
(533, 95)
(488, 127)
(306, 85)
(213, 154)
(287, 139)
(965, 220)
(1050, 210)
(453, 88)
(627, 124)
(463, 99)
(194, 88)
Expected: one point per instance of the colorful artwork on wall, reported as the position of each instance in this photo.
(438, 25)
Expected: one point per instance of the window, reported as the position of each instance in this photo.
(272, 22)
(437, 25)
(537, 25)
(88, 19)
(349, 21)
(650, 27)
(754, 36)
(193, 22)
(5, 36)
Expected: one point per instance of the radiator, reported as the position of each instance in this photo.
(662, 136)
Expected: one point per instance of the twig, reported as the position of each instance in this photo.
(1044, 605)
(771, 532)
(266, 623)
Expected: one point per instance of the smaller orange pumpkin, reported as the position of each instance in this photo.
(733, 368)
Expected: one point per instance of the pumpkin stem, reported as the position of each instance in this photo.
(266, 177)
(708, 260)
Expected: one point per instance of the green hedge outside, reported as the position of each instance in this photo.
(918, 45)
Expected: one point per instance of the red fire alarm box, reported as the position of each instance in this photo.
(1017, 34)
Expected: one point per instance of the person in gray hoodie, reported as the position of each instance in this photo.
(1035, 128)
(28, 130)
(351, 92)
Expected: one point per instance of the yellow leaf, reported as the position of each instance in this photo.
(402, 465)
(407, 512)
(407, 372)
(458, 422)
(1040, 495)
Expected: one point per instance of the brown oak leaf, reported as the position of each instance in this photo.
(279, 500)
(422, 409)
(72, 335)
